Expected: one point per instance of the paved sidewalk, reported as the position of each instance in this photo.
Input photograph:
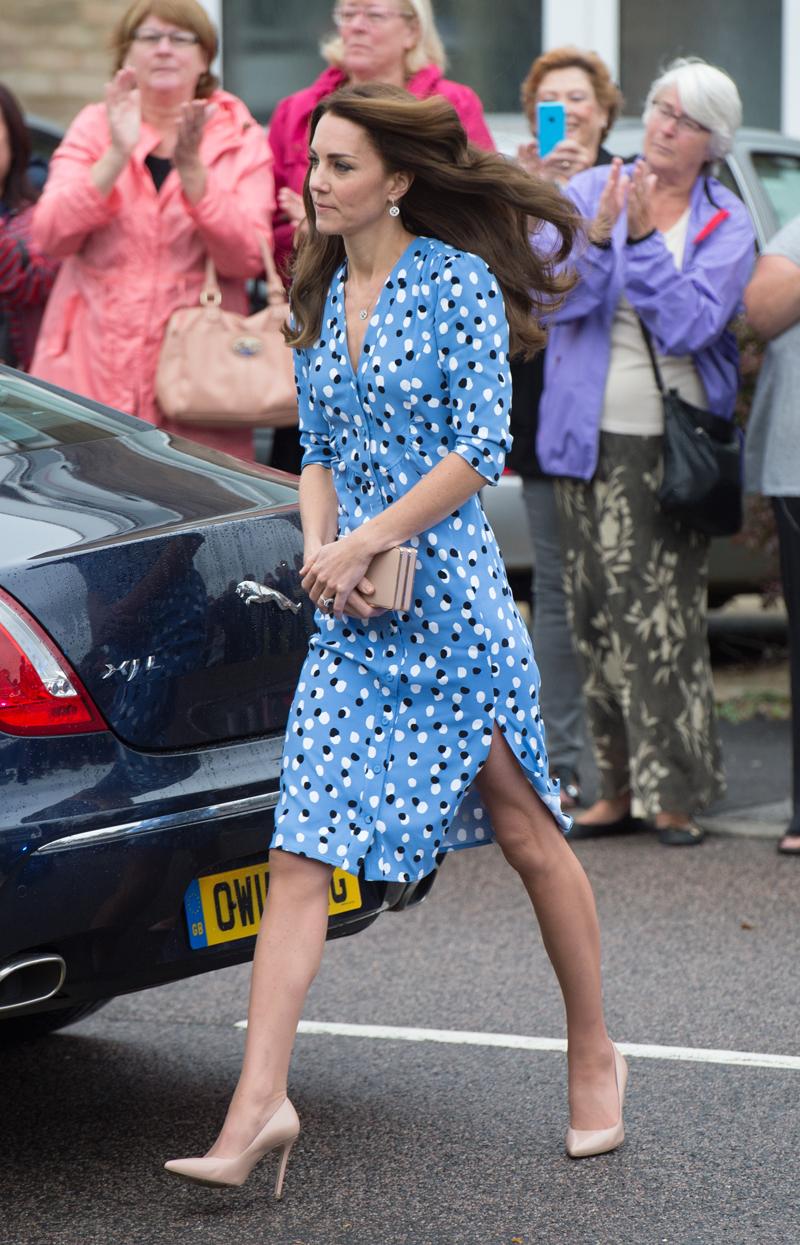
(757, 765)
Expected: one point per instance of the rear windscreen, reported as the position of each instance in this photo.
(34, 417)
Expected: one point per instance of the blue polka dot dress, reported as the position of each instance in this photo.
(393, 718)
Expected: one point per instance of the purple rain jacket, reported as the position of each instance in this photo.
(687, 312)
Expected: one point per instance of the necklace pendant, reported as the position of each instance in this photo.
(362, 315)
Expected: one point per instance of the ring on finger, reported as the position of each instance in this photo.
(326, 604)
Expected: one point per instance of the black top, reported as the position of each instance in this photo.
(159, 168)
(527, 384)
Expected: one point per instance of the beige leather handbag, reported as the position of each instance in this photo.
(225, 370)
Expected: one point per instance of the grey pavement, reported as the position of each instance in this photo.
(422, 1144)
(757, 759)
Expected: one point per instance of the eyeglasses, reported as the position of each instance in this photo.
(177, 38)
(373, 15)
(682, 122)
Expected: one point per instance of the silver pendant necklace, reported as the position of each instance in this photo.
(364, 311)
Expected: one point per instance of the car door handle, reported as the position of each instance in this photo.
(253, 593)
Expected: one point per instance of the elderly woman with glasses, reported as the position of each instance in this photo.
(390, 41)
(667, 256)
(168, 171)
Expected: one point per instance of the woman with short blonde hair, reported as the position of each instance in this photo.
(427, 50)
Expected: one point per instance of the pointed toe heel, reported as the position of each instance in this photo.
(280, 1132)
(586, 1143)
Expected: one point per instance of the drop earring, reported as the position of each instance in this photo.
(394, 209)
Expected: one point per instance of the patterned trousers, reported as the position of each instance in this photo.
(636, 594)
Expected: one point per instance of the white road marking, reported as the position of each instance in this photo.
(516, 1041)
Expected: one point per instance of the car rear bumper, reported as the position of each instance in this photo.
(110, 900)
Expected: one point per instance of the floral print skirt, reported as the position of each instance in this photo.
(636, 591)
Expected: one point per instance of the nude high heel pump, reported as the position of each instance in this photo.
(280, 1131)
(583, 1143)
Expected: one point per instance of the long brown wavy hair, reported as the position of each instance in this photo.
(472, 199)
(18, 192)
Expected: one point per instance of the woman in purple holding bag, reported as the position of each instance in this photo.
(668, 250)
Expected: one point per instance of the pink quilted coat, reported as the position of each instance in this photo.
(131, 258)
(288, 132)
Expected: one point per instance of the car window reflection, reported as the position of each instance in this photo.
(779, 174)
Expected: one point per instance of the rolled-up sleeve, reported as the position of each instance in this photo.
(472, 344)
(315, 438)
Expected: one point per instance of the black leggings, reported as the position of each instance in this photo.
(787, 513)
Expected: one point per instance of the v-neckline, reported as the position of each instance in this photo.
(355, 365)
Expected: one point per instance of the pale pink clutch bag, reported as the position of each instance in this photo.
(392, 573)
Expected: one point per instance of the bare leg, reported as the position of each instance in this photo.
(562, 899)
(604, 811)
(288, 954)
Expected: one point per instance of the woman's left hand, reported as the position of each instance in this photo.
(336, 573)
(186, 156)
(640, 199)
(566, 159)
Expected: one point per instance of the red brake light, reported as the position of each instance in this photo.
(39, 693)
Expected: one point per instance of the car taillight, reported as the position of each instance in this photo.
(39, 693)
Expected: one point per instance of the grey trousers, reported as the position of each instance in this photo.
(636, 592)
(561, 695)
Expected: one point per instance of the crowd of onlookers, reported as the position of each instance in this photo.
(170, 170)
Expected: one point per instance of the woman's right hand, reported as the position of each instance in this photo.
(292, 205)
(124, 112)
(612, 202)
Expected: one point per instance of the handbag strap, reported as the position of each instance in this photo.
(276, 294)
(648, 341)
(211, 294)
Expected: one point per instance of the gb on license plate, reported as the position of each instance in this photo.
(227, 906)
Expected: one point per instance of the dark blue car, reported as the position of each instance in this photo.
(152, 627)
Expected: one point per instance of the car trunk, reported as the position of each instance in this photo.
(161, 635)
(129, 551)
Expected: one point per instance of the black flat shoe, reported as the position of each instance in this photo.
(680, 836)
(626, 824)
(788, 849)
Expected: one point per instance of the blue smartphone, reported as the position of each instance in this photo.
(551, 126)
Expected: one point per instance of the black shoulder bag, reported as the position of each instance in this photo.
(702, 482)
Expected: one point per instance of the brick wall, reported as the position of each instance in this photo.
(54, 54)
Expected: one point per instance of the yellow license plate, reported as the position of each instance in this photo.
(228, 906)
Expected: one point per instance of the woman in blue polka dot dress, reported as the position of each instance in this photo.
(412, 733)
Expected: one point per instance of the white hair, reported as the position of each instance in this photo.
(428, 50)
(707, 95)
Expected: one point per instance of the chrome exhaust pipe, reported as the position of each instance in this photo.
(30, 979)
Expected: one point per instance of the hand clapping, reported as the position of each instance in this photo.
(634, 192)
(640, 201)
(124, 112)
(191, 123)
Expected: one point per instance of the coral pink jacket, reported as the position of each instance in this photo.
(132, 257)
(288, 132)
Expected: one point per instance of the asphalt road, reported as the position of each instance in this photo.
(408, 1143)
